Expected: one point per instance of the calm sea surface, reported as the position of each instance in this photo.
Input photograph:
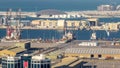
(64, 5)
(57, 34)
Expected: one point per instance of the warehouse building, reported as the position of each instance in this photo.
(61, 24)
(100, 53)
(15, 49)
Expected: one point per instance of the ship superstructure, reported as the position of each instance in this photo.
(93, 36)
(66, 38)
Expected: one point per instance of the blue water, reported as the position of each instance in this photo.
(108, 20)
(57, 34)
(64, 5)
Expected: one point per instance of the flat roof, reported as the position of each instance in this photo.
(66, 62)
(75, 63)
(17, 50)
(103, 63)
(93, 50)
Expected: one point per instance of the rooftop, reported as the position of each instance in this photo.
(66, 62)
(17, 50)
(93, 50)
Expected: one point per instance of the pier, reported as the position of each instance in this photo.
(73, 14)
(13, 13)
(95, 13)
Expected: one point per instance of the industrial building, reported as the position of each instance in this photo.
(93, 21)
(111, 26)
(15, 49)
(68, 62)
(105, 8)
(26, 61)
(61, 24)
(93, 52)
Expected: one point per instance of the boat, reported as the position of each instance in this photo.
(93, 36)
(68, 37)
(108, 33)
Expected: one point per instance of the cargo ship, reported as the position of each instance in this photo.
(68, 37)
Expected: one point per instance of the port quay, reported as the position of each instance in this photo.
(66, 52)
(59, 34)
(75, 14)
(4, 13)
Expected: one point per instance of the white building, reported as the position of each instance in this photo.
(88, 43)
(105, 7)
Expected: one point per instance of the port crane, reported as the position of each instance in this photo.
(12, 32)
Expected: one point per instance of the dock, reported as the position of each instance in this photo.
(74, 14)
